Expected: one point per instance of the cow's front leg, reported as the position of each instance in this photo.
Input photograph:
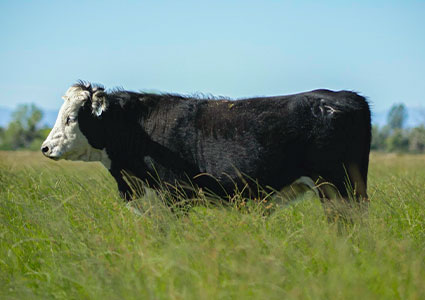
(129, 185)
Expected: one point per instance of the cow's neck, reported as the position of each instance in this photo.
(136, 135)
(126, 139)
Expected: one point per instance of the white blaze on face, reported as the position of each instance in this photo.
(66, 141)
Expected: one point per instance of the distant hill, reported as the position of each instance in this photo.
(416, 116)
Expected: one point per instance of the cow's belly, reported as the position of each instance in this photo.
(225, 159)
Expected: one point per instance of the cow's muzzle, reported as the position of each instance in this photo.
(47, 151)
(44, 150)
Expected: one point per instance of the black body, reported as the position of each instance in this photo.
(269, 141)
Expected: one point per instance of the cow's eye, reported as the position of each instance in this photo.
(69, 120)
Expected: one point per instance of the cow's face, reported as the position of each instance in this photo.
(66, 141)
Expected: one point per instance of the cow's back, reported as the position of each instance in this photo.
(276, 140)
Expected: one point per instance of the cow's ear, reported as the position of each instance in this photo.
(99, 103)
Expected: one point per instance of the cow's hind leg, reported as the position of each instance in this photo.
(357, 183)
(343, 192)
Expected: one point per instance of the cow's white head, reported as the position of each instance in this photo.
(66, 140)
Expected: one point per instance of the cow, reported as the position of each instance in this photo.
(218, 145)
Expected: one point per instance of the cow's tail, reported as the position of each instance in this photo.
(366, 120)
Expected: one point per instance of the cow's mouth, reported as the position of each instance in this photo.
(54, 158)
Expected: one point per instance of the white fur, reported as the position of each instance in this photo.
(66, 141)
(331, 109)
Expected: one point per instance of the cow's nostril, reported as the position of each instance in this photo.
(45, 149)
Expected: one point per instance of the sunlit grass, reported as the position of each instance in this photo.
(65, 233)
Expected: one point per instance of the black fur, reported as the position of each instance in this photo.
(269, 141)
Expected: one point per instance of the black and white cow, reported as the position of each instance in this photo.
(217, 145)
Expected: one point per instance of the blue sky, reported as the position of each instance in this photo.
(228, 48)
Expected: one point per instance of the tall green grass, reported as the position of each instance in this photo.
(65, 234)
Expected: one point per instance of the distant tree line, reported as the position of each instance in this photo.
(394, 137)
(25, 132)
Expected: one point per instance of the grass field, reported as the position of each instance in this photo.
(65, 234)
